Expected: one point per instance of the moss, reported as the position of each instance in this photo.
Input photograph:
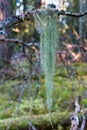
(40, 122)
(62, 96)
(81, 68)
(61, 71)
(84, 102)
(23, 123)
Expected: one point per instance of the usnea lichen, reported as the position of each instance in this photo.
(48, 21)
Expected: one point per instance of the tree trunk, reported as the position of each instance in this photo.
(85, 19)
(24, 35)
(5, 51)
(80, 20)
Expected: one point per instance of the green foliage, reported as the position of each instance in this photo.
(48, 20)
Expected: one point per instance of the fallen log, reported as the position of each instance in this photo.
(40, 122)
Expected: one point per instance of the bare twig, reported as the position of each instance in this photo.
(77, 15)
(74, 116)
(13, 40)
(75, 119)
(17, 41)
(83, 123)
(77, 108)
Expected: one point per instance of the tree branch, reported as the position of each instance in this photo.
(74, 116)
(83, 122)
(13, 40)
(76, 15)
(20, 42)
(28, 15)
(10, 22)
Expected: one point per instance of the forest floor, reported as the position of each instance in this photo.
(20, 97)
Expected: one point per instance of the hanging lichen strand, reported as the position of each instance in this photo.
(48, 21)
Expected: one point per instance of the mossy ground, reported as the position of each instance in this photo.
(33, 102)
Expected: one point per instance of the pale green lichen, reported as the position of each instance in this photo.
(48, 20)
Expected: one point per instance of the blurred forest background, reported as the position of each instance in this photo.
(22, 83)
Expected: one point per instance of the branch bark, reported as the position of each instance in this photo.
(28, 15)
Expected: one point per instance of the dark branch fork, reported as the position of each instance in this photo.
(11, 21)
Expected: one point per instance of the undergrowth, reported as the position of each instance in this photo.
(15, 102)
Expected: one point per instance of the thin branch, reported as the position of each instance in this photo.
(11, 21)
(83, 122)
(13, 40)
(74, 116)
(28, 15)
(17, 41)
(77, 15)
